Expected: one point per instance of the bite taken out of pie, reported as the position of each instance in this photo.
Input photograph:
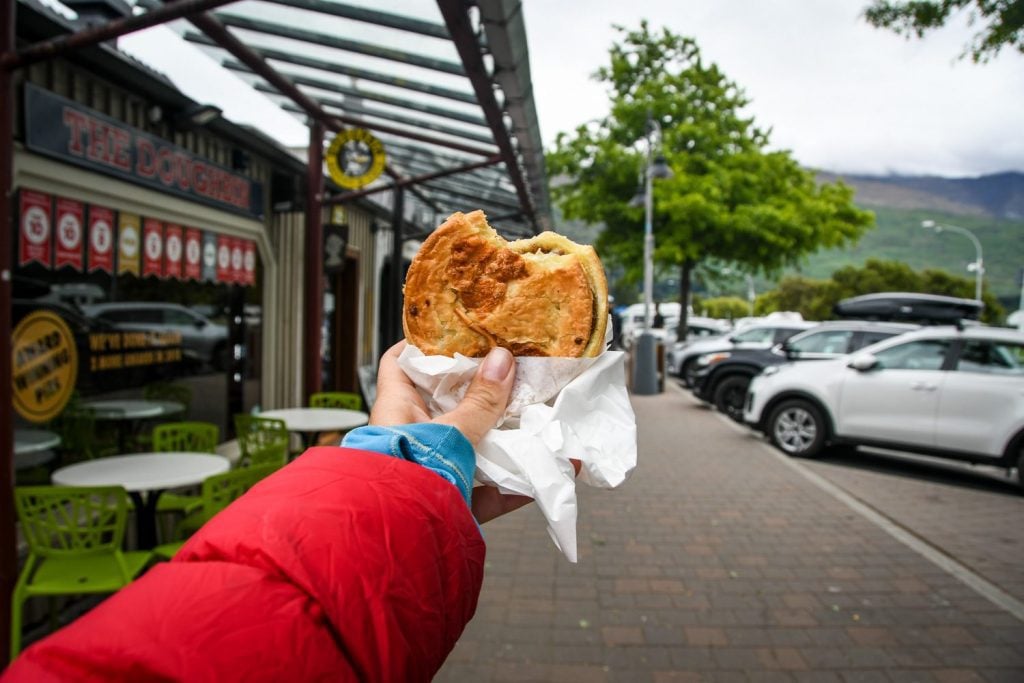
(469, 290)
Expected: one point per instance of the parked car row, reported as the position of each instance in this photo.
(947, 391)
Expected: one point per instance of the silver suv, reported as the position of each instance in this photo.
(202, 340)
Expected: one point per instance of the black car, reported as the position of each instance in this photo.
(722, 378)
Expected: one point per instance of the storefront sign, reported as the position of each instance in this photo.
(152, 248)
(193, 254)
(110, 351)
(101, 239)
(70, 231)
(66, 130)
(128, 243)
(173, 251)
(250, 262)
(209, 272)
(238, 261)
(223, 258)
(44, 366)
(355, 158)
(34, 233)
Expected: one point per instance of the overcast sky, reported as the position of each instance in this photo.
(838, 93)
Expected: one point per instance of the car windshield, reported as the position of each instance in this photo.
(757, 334)
(827, 341)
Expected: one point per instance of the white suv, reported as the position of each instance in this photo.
(940, 391)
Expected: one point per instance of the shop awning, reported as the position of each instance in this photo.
(447, 89)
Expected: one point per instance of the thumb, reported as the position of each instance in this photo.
(486, 398)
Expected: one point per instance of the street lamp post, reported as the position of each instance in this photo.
(979, 263)
(645, 370)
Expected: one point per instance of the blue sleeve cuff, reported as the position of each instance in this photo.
(440, 448)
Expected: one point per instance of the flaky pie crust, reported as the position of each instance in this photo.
(469, 290)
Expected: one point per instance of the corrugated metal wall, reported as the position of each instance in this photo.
(283, 314)
(360, 238)
(284, 301)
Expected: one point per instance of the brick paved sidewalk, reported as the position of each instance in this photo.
(717, 562)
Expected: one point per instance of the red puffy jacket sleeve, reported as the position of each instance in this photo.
(344, 565)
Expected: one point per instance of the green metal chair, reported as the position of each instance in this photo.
(74, 535)
(336, 399)
(263, 441)
(217, 493)
(193, 437)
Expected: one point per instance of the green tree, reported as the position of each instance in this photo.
(1001, 21)
(730, 199)
(726, 307)
(814, 299)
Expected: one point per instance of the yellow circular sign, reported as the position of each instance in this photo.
(44, 365)
(355, 158)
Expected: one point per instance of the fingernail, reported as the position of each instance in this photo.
(496, 365)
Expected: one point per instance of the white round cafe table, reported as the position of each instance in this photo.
(144, 473)
(128, 410)
(32, 447)
(312, 421)
(34, 440)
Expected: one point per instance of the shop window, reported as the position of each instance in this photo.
(166, 329)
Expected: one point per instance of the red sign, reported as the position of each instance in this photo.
(70, 233)
(238, 261)
(250, 263)
(193, 254)
(34, 235)
(152, 248)
(172, 251)
(101, 239)
(224, 245)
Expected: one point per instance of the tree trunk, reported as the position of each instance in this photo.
(684, 298)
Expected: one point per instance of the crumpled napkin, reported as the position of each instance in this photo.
(560, 408)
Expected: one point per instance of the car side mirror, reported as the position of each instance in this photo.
(199, 324)
(863, 362)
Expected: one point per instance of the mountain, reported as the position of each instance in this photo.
(991, 207)
(1000, 195)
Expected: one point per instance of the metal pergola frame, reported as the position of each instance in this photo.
(518, 193)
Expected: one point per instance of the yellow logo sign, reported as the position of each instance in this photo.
(44, 362)
(355, 158)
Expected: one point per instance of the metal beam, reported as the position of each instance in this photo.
(397, 21)
(209, 25)
(435, 157)
(314, 264)
(370, 95)
(351, 71)
(98, 34)
(404, 182)
(456, 17)
(338, 43)
(474, 182)
(363, 111)
(402, 133)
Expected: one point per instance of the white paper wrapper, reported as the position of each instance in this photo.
(560, 408)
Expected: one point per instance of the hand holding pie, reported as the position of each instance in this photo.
(469, 290)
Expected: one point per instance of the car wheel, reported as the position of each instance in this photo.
(730, 395)
(797, 428)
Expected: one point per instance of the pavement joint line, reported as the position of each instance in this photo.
(947, 563)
